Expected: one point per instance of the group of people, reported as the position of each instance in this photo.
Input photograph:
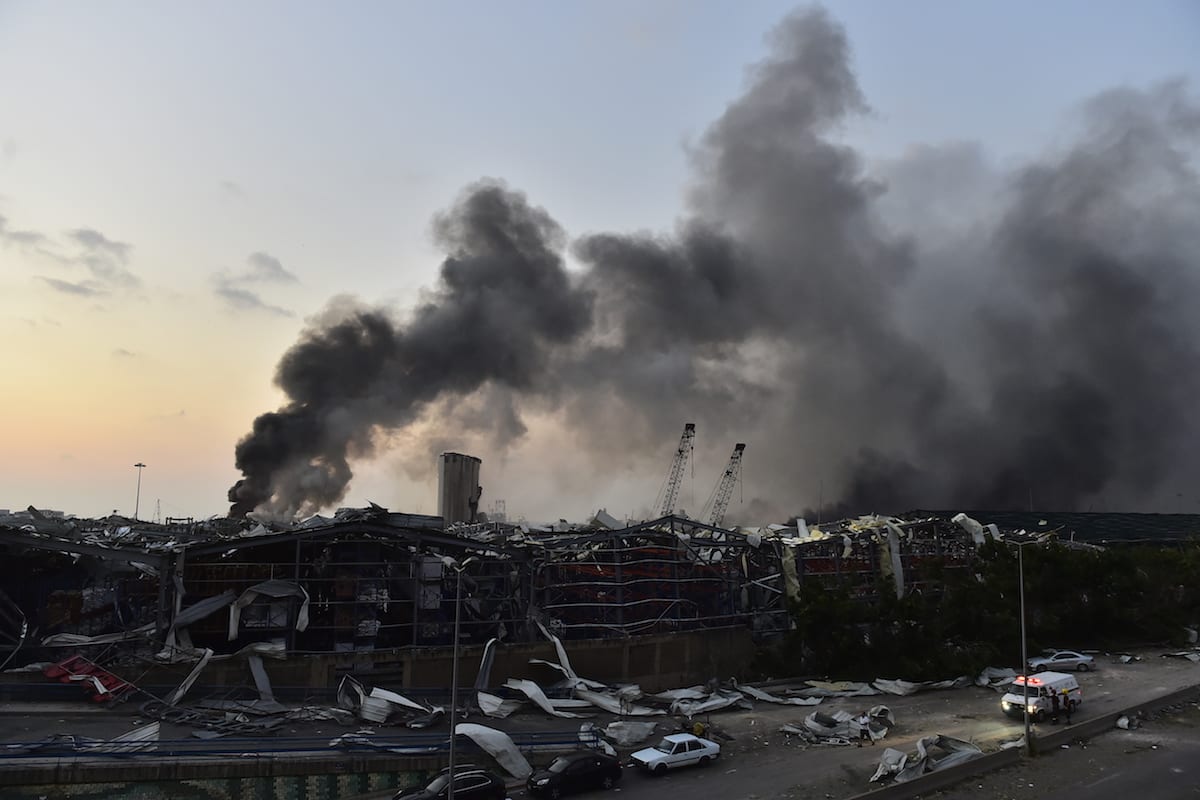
(1060, 702)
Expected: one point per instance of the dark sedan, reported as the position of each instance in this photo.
(575, 772)
(469, 784)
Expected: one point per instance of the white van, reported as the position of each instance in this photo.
(1041, 687)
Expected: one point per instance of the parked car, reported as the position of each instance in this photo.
(1060, 660)
(470, 783)
(575, 772)
(677, 750)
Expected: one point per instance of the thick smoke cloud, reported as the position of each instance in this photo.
(504, 301)
(931, 333)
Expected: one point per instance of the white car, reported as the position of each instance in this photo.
(677, 750)
(1062, 660)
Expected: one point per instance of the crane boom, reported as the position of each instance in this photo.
(721, 495)
(670, 490)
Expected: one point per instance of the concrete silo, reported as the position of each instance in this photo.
(458, 487)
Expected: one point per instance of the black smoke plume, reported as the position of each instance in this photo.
(503, 303)
(928, 332)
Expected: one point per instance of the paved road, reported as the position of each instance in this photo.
(1161, 775)
(1159, 761)
(760, 763)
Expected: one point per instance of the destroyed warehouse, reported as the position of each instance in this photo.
(373, 586)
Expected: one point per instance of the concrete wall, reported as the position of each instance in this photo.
(312, 778)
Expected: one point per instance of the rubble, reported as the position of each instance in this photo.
(139, 739)
(933, 753)
(366, 581)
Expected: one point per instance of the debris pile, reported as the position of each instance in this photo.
(933, 753)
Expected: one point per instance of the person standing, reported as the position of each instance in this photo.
(864, 728)
(1068, 704)
(1053, 707)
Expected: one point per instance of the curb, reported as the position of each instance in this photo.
(1106, 722)
(1006, 758)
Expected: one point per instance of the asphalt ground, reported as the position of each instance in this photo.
(759, 762)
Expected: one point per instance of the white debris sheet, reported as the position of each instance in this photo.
(834, 689)
(690, 693)
(626, 733)
(564, 664)
(933, 753)
(499, 746)
(903, 688)
(138, 740)
(614, 705)
(484, 675)
(352, 741)
(721, 698)
(275, 589)
(589, 736)
(996, 678)
(759, 694)
(261, 681)
(379, 705)
(535, 693)
(495, 706)
(178, 694)
(841, 727)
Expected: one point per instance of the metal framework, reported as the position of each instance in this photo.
(374, 583)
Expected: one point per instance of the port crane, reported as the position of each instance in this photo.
(718, 502)
(669, 494)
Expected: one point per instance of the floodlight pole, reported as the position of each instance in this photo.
(138, 498)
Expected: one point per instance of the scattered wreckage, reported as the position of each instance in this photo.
(933, 753)
(843, 728)
(89, 598)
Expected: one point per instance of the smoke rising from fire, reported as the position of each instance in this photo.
(934, 333)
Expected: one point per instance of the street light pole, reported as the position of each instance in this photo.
(138, 500)
(1024, 655)
(458, 568)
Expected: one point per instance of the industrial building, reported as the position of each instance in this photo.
(662, 601)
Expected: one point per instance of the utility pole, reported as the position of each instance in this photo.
(138, 499)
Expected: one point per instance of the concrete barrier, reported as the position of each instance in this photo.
(68, 771)
(943, 778)
(1095, 726)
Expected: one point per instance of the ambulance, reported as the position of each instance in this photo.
(1041, 688)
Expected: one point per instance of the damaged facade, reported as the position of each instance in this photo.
(368, 584)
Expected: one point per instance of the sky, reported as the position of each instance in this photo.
(183, 185)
